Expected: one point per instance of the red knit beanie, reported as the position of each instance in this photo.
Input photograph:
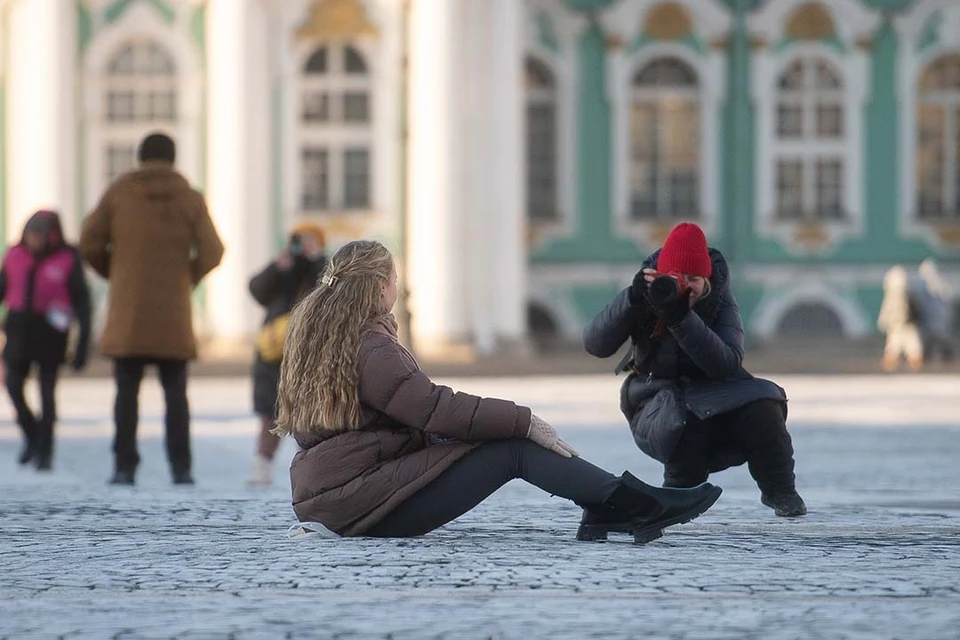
(685, 251)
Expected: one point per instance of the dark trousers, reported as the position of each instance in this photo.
(756, 431)
(470, 480)
(37, 431)
(128, 373)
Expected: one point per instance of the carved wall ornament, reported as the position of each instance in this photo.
(668, 21)
(810, 21)
(336, 19)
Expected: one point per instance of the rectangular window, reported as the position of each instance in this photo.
(644, 161)
(790, 121)
(356, 107)
(316, 106)
(790, 190)
(541, 162)
(829, 121)
(316, 177)
(120, 106)
(932, 129)
(830, 189)
(356, 176)
(119, 159)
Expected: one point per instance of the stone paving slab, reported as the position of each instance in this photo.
(878, 556)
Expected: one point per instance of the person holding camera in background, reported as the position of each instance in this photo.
(45, 291)
(278, 288)
(690, 403)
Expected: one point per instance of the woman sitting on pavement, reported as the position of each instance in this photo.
(385, 452)
(689, 401)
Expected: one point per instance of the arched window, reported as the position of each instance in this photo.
(541, 141)
(335, 118)
(938, 140)
(140, 96)
(809, 146)
(665, 141)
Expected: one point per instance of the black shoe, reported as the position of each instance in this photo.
(44, 461)
(183, 477)
(123, 477)
(27, 453)
(787, 504)
(638, 508)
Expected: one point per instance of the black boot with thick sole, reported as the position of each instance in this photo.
(644, 511)
(786, 504)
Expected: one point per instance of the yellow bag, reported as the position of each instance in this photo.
(271, 339)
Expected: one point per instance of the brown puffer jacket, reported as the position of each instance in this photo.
(349, 481)
(152, 237)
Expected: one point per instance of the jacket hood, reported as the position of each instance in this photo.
(159, 181)
(48, 224)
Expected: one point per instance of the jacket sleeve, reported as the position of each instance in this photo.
(266, 284)
(94, 245)
(206, 242)
(80, 298)
(389, 384)
(717, 351)
(613, 326)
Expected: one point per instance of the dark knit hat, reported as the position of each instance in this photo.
(157, 146)
(685, 251)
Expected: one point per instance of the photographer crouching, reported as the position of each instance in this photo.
(690, 403)
(278, 288)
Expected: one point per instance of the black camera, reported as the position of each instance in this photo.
(666, 288)
(296, 245)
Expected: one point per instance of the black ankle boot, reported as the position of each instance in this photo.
(638, 508)
(123, 477)
(44, 461)
(27, 453)
(786, 504)
(182, 476)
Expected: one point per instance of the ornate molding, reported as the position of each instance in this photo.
(336, 19)
(810, 21)
(668, 21)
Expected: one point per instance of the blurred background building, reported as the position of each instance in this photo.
(520, 156)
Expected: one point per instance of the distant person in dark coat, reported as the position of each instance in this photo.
(45, 292)
(282, 284)
(687, 339)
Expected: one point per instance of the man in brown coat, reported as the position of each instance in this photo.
(152, 237)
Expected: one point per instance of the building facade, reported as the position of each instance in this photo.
(519, 156)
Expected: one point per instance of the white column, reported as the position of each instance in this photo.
(41, 119)
(508, 171)
(238, 172)
(436, 239)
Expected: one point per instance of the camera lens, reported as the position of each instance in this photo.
(664, 290)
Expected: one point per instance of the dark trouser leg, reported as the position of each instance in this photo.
(690, 462)
(48, 399)
(761, 430)
(127, 373)
(173, 378)
(17, 373)
(267, 443)
(474, 477)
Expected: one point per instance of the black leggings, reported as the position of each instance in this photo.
(470, 480)
(38, 431)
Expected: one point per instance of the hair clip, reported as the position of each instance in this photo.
(329, 280)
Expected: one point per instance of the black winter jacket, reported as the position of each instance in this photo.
(702, 355)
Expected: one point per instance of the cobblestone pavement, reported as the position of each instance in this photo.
(877, 557)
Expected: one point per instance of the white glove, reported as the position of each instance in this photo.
(546, 436)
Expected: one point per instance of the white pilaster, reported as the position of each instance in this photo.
(507, 175)
(437, 282)
(41, 119)
(238, 159)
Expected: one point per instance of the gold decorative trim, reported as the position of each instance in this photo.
(612, 42)
(811, 235)
(657, 233)
(810, 21)
(720, 44)
(668, 21)
(949, 234)
(757, 42)
(332, 19)
(865, 43)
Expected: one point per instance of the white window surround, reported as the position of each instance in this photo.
(851, 23)
(778, 301)
(562, 64)
(381, 54)
(141, 23)
(911, 65)
(625, 21)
